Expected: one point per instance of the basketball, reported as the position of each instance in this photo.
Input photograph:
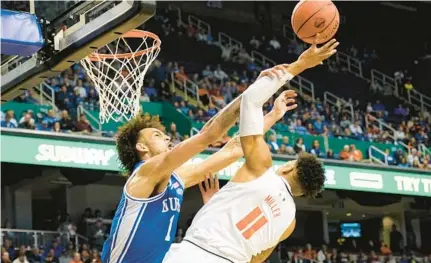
(312, 17)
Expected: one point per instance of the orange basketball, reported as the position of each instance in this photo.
(311, 17)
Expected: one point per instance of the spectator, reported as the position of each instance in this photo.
(200, 116)
(299, 146)
(207, 72)
(85, 256)
(355, 153)
(330, 154)
(183, 108)
(36, 256)
(5, 257)
(95, 256)
(396, 239)
(274, 43)
(27, 122)
(8, 122)
(98, 234)
(272, 143)
(76, 258)
(174, 134)
(7, 245)
(66, 123)
(318, 126)
(150, 90)
(220, 74)
(212, 111)
(255, 42)
(288, 148)
(356, 129)
(399, 134)
(51, 258)
(315, 148)
(309, 252)
(322, 254)
(43, 126)
(50, 118)
(345, 153)
(82, 92)
(21, 258)
(83, 125)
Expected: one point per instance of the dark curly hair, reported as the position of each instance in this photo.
(128, 136)
(311, 174)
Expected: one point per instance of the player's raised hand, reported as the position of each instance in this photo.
(314, 55)
(285, 102)
(274, 72)
(209, 187)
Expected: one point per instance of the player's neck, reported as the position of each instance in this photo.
(291, 181)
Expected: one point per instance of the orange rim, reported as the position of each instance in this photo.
(131, 34)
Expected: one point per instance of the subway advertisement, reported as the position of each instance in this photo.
(93, 154)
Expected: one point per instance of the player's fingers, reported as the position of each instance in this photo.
(201, 187)
(275, 72)
(206, 182)
(292, 107)
(328, 54)
(290, 101)
(217, 184)
(328, 44)
(334, 45)
(212, 183)
(289, 94)
(314, 43)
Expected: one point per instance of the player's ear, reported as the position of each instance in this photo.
(142, 148)
(287, 168)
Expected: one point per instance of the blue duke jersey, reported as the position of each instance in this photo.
(143, 229)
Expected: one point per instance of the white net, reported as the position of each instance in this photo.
(118, 72)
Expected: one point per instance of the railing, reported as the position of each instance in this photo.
(340, 103)
(384, 80)
(377, 159)
(382, 125)
(13, 62)
(352, 64)
(288, 32)
(46, 97)
(304, 86)
(36, 238)
(178, 10)
(424, 149)
(199, 24)
(262, 60)
(226, 40)
(188, 87)
(81, 110)
(416, 98)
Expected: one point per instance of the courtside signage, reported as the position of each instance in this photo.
(61, 153)
(102, 156)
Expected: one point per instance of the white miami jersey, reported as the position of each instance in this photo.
(244, 219)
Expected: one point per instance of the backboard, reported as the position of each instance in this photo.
(72, 30)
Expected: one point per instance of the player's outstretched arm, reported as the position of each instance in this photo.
(166, 163)
(231, 152)
(257, 155)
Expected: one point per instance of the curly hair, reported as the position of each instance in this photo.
(128, 136)
(311, 174)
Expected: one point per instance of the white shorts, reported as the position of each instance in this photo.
(186, 252)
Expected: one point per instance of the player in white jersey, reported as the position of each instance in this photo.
(251, 214)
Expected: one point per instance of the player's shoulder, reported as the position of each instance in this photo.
(148, 168)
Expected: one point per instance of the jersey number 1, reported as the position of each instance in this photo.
(251, 223)
(168, 235)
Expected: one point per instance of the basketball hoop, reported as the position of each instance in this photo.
(118, 72)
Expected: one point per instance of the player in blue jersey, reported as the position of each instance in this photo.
(146, 219)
